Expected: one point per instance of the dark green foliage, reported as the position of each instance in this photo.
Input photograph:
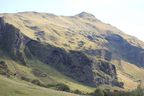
(77, 91)
(2, 62)
(25, 78)
(99, 92)
(59, 86)
(136, 92)
(62, 87)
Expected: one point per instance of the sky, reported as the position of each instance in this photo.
(127, 15)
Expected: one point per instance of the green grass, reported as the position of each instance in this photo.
(9, 87)
(53, 76)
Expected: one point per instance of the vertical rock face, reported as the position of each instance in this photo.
(127, 51)
(102, 66)
(2, 28)
(73, 64)
(100, 53)
(141, 57)
(12, 41)
(107, 68)
(76, 64)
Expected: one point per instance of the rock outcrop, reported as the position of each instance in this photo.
(72, 63)
(125, 50)
(12, 41)
(4, 69)
(76, 64)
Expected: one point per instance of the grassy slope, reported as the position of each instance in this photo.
(10, 87)
(53, 76)
(130, 74)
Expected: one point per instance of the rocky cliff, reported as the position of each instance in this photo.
(12, 41)
(81, 46)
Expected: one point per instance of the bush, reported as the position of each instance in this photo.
(25, 78)
(62, 87)
(77, 91)
(98, 92)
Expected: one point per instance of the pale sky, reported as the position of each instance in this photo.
(127, 15)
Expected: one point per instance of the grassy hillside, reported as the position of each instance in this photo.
(9, 87)
(52, 75)
(130, 74)
(72, 39)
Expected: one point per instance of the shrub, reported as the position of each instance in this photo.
(77, 91)
(98, 92)
(25, 78)
(62, 87)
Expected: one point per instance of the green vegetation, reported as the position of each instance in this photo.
(77, 91)
(10, 87)
(62, 87)
(54, 77)
(34, 77)
(24, 74)
(105, 92)
(99, 92)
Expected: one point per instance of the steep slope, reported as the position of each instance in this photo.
(81, 47)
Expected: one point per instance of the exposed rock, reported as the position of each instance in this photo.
(87, 16)
(73, 64)
(76, 64)
(81, 43)
(40, 35)
(141, 58)
(127, 51)
(104, 72)
(4, 69)
(116, 83)
(107, 68)
(100, 53)
(13, 42)
(2, 27)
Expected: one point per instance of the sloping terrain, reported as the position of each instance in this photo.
(18, 88)
(79, 51)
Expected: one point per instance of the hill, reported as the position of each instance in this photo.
(79, 51)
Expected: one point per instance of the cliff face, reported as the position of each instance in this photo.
(12, 41)
(77, 64)
(126, 51)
